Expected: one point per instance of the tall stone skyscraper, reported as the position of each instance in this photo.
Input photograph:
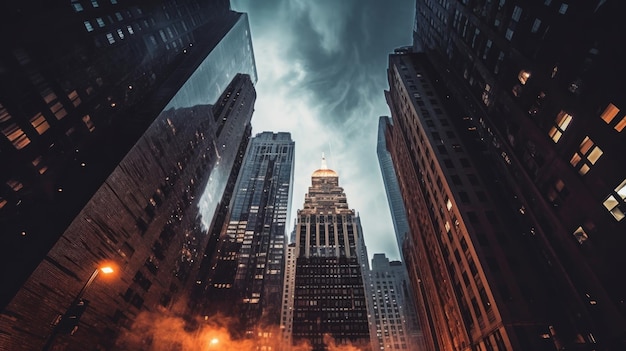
(485, 273)
(328, 292)
(120, 142)
(395, 325)
(245, 281)
(535, 91)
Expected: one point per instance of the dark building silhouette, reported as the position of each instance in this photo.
(121, 141)
(80, 83)
(507, 139)
(245, 279)
(328, 287)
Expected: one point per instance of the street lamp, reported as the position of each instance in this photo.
(67, 323)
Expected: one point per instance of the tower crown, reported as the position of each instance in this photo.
(324, 171)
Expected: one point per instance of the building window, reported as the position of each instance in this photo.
(517, 13)
(562, 121)
(509, 34)
(615, 204)
(609, 114)
(40, 124)
(95, 4)
(16, 136)
(110, 38)
(563, 8)
(536, 25)
(88, 123)
(523, 76)
(88, 26)
(580, 235)
(77, 7)
(586, 157)
(100, 22)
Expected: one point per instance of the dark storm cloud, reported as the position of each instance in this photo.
(322, 72)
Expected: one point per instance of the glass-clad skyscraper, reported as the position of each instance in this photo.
(245, 281)
(120, 143)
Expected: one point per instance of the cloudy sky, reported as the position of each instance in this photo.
(322, 72)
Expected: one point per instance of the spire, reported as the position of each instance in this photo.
(324, 165)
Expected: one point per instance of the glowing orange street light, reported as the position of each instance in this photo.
(67, 323)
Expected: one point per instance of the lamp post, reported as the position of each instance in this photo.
(67, 323)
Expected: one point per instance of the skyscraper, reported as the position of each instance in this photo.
(390, 180)
(72, 107)
(328, 292)
(93, 196)
(245, 281)
(541, 88)
(395, 322)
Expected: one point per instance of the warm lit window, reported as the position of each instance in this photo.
(74, 98)
(58, 110)
(39, 165)
(615, 204)
(3, 202)
(40, 124)
(448, 204)
(523, 76)
(580, 235)
(15, 185)
(16, 136)
(88, 123)
(609, 114)
(562, 121)
(586, 157)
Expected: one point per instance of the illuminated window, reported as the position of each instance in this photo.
(609, 114)
(88, 26)
(586, 157)
(614, 203)
(39, 165)
(563, 8)
(523, 76)
(40, 124)
(74, 98)
(562, 121)
(94, 3)
(15, 185)
(580, 235)
(3, 202)
(509, 34)
(100, 22)
(110, 38)
(448, 204)
(88, 123)
(58, 110)
(16, 136)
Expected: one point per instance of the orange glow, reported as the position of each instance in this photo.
(168, 331)
(106, 269)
